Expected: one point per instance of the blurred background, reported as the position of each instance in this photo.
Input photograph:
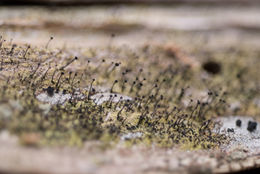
(211, 24)
(197, 27)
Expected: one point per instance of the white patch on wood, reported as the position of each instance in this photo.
(57, 98)
(240, 136)
(131, 135)
(100, 98)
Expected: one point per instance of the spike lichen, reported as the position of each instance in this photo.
(156, 87)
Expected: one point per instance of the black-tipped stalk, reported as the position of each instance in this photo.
(69, 78)
(12, 49)
(52, 77)
(111, 90)
(111, 101)
(113, 68)
(75, 75)
(70, 62)
(24, 56)
(98, 66)
(120, 99)
(193, 111)
(150, 91)
(97, 101)
(90, 88)
(123, 86)
(51, 38)
(132, 86)
(33, 73)
(2, 62)
(120, 111)
(57, 84)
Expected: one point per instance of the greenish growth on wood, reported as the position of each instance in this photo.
(49, 93)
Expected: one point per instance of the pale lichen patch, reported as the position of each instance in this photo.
(57, 98)
(243, 133)
(100, 98)
(131, 135)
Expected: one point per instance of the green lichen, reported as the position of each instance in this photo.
(166, 105)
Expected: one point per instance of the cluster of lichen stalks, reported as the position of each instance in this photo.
(157, 83)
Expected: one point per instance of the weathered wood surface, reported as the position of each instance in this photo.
(189, 27)
(90, 159)
(93, 26)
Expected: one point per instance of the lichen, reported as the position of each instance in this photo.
(50, 97)
(243, 133)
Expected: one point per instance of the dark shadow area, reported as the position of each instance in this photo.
(248, 171)
(212, 67)
(129, 2)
